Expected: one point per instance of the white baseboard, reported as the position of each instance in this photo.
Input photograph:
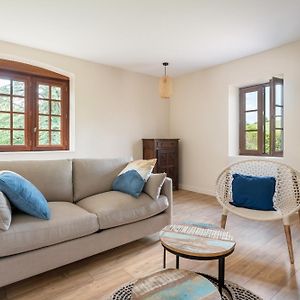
(195, 189)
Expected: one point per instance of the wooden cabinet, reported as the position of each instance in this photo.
(166, 153)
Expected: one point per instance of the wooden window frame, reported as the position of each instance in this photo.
(32, 75)
(260, 89)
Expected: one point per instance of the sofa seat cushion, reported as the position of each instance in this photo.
(68, 221)
(115, 208)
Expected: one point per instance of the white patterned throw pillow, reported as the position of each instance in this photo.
(143, 166)
(5, 212)
(132, 178)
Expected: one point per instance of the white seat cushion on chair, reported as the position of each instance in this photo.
(68, 221)
(115, 208)
(253, 214)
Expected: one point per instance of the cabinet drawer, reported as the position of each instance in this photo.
(166, 144)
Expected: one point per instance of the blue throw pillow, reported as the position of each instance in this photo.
(24, 195)
(130, 182)
(253, 192)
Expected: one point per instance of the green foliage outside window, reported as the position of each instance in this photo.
(251, 137)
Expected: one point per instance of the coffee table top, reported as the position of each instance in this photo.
(174, 284)
(197, 240)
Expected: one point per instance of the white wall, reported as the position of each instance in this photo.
(200, 108)
(114, 109)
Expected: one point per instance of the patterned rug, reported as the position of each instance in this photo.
(231, 291)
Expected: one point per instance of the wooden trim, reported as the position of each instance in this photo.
(260, 120)
(273, 83)
(14, 66)
(242, 121)
(272, 115)
(26, 79)
(64, 115)
(31, 107)
(260, 89)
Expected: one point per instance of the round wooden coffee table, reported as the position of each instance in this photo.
(198, 241)
(174, 284)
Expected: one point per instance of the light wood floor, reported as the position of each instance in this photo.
(259, 263)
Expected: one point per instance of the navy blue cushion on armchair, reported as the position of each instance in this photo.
(253, 192)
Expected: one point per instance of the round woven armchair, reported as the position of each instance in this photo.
(286, 198)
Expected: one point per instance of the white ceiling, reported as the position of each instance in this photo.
(139, 35)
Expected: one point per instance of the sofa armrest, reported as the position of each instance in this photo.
(167, 190)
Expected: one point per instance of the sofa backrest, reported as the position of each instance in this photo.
(52, 177)
(93, 176)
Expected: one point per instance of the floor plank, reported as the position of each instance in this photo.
(259, 263)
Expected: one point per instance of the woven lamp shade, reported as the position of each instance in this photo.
(165, 87)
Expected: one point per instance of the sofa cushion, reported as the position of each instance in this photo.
(115, 208)
(253, 192)
(154, 184)
(5, 212)
(143, 167)
(132, 178)
(130, 183)
(24, 195)
(27, 233)
(94, 176)
(52, 177)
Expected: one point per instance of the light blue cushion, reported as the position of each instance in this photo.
(24, 195)
(253, 192)
(130, 182)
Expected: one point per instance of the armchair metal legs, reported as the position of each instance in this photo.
(223, 221)
(288, 235)
(224, 218)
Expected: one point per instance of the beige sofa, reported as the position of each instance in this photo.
(87, 217)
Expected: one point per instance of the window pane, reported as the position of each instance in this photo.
(55, 138)
(4, 120)
(18, 121)
(55, 93)
(278, 140)
(251, 140)
(251, 120)
(278, 94)
(55, 123)
(279, 111)
(251, 101)
(43, 91)
(5, 103)
(43, 122)
(267, 120)
(4, 137)
(19, 88)
(55, 108)
(18, 104)
(4, 86)
(267, 139)
(44, 107)
(43, 137)
(18, 137)
(278, 122)
(267, 103)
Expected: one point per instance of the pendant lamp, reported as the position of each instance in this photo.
(165, 84)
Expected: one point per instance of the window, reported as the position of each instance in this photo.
(261, 119)
(34, 108)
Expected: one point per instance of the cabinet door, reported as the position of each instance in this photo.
(166, 158)
(167, 162)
